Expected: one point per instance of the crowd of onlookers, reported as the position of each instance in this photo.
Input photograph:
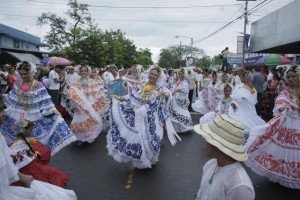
(268, 81)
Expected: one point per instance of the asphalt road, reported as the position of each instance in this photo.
(96, 176)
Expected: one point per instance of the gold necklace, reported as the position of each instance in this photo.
(24, 97)
(252, 90)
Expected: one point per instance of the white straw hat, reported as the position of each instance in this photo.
(225, 133)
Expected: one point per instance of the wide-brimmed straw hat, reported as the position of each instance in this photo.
(225, 133)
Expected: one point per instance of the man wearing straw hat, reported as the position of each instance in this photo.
(224, 178)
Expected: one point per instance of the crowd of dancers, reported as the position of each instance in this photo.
(136, 108)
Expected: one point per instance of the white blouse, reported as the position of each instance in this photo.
(8, 171)
(230, 182)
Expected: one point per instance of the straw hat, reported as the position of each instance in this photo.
(225, 133)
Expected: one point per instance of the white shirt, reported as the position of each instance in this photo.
(199, 79)
(8, 171)
(52, 85)
(108, 77)
(191, 80)
(225, 53)
(270, 77)
(236, 81)
(162, 80)
(230, 182)
(72, 78)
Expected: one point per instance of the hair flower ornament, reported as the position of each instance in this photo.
(21, 126)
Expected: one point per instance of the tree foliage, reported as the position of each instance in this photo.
(217, 60)
(204, 62)
(66, 31)
(174, 55)
(168, 59)
(80, 40)
(143, 57)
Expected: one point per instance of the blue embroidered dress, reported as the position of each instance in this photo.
(137, 128)
(180, 116)
(36, 106)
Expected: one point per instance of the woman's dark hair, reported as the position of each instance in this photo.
(206, 70)
(276, 76)
(227, 86)
(24, 66)
(83, 66)
(181, 70)
(214, 73)
(156, 69)
(290, 70)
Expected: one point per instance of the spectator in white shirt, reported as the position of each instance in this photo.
(71, 77)
(225, 54)
(236, 80)
(162, 82)
(199, 80)
(192, 85)
(56, 77)
(110, 74)
(223, 176)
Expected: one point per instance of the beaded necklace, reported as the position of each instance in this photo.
(147, 90)
(24, 97)
(252, 90)
(85, 85)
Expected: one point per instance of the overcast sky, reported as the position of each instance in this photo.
(153, 27)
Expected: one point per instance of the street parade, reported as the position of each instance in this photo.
(76, 126)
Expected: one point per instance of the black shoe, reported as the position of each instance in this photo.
(79, 143)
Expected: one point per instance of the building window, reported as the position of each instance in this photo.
(16, 44)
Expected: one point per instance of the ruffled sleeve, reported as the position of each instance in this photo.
(285, 100)
(39, 102)
(241, 94)
(8, 171)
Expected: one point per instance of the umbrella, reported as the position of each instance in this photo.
(46, 60)
(58, 61)
(273, 59)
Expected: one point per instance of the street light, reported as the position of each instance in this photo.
(192, 41)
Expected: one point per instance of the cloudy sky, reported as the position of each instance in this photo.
(150, 24)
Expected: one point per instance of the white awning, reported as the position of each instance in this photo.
(25, 57)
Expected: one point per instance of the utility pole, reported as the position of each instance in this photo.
(245, 26)
(180, 54)
(245, 29)
(192, 41)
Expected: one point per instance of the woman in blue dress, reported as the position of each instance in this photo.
(30, 100)
(138, 121)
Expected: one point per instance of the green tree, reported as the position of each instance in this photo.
(168, 59)
(100, 48)
(184, 51)
(66, 31)
(204, 62)
(143, 57)
(78, 39)
(174, 55)
(217, 60)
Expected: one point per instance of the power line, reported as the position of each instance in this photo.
(229, 23)
(129, 20)
(143, 7)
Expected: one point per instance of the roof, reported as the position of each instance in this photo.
(278, 32)
(24, 57)
(21, 35)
